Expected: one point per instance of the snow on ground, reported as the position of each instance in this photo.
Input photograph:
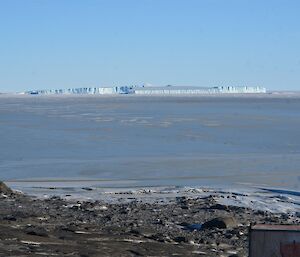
(259, 198)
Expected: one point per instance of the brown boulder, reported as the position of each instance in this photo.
(220, 222)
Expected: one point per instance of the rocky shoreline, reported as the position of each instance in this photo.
(182, 227)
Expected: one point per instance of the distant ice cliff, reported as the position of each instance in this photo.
(150, 90)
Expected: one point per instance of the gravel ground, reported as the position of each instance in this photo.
(182, 227)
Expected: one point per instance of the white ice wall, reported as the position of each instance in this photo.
(217, 90)
(152, 90)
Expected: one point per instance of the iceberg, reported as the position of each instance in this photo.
(152, 90)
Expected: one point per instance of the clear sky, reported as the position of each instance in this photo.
(71, 43)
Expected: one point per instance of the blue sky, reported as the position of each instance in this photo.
(71, 43)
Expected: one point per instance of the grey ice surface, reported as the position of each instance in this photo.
(151, 141)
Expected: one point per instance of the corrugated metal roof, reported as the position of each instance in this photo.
(276, 227)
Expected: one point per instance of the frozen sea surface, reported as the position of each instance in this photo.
(133, 141)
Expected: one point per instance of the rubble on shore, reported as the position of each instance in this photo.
(183, 227)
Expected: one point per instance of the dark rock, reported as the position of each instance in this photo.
(184, 224)
(219, 207)
(68, 228)
(225, 222)
(87, 188)
(181, 199)
(259, 212)
(159, 222)
(229, 235)
(158, 237)
(193, 227)
(180, 239)
(4, 189)
(272, 219)
(10, 218)
(55, 198)
(285, 216)
(36, 231)
(134, 232)
(135, 253)
(107, 218)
